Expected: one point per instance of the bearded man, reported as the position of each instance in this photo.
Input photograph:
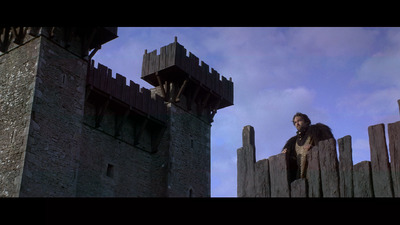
(307, 136)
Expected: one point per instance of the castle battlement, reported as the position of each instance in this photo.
(132, 96)
(172, 64)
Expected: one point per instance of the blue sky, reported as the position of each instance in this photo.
(345, 77)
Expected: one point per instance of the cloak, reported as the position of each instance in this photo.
(318, 132)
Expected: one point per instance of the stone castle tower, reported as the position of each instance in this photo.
(70, 128)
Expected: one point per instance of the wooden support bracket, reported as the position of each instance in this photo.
(177, 98)
(100, 110)
(205, 101)
(19, 35)
(193, 98)
(161, 86)
(120, 122)
(5, 39)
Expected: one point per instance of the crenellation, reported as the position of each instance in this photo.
(133, 96)
(173, 57)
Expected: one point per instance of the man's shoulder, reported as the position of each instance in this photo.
(319, 126)
(292, 139)
(320, 131)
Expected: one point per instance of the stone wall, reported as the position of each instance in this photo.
(54, 143)
(17, 86)
(189, 154)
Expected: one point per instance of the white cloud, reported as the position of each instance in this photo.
(381, 69)
(333, 42)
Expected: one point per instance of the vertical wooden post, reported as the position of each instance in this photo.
(278, 170)
(313, 173)
(345, 166)
(262, 181)
(298, 188)
(394, 148)
(362, 180)
(381, 178)
(398, 102)
(246, 164)
(329, 168)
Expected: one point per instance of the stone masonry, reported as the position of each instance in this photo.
(69, 128)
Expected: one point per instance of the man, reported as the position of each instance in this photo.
(307, 136)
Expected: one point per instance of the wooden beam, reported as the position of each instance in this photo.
(161, 85)
(20, 35)
(192, 98)
(177, 98)
(5, 39)
(205, 101)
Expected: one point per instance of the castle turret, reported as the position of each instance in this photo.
(193, 95)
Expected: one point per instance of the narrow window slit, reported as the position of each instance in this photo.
(110, 170)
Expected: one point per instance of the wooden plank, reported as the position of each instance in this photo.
(362, 180)
(163, 58)
(245, 172)
(262, 182)
(394, 149)
(278, 172)
(298, 188)
(398, 103)
(313, 173)
(329, 168)
(345, 167)
(145, 63)
(246, 164)
(381, 177)
(153, 66)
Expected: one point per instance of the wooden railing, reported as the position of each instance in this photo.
(326, 174)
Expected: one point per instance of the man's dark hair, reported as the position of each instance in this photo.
(304, 116)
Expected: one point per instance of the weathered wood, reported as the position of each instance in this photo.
(381, 177)
(398, 103)
(298, 188)
(329, 168)
(313, 173)
(248, 136)
(262, 182)
(345, 166)
(394, 149)
(362, 180)
(246, 164)
(278, 172)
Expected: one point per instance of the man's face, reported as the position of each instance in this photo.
(299, 122)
